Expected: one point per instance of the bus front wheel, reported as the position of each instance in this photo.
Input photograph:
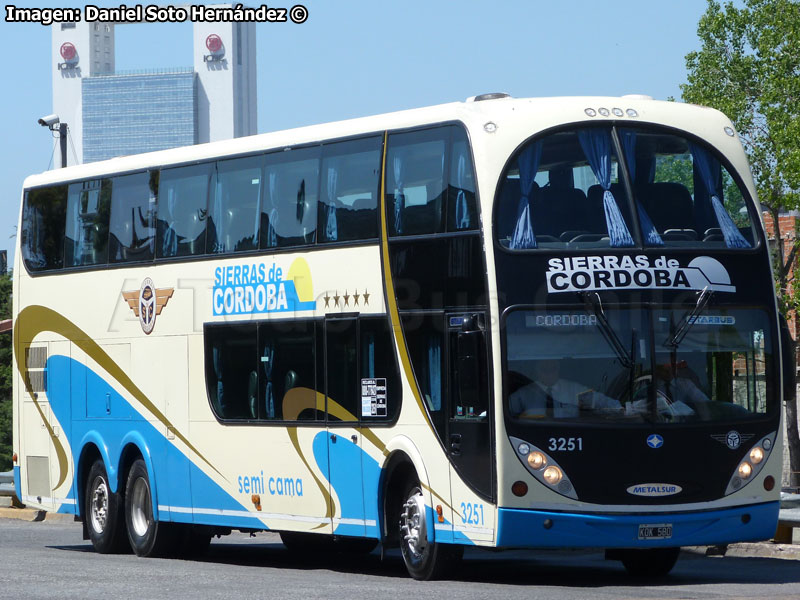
(147, 536)
(103, 512)
(651, 562)
(423, 558)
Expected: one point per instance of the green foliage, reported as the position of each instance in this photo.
(675, 168)
(5, 376)
(749, 68)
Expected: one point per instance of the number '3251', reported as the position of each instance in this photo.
(472, 513)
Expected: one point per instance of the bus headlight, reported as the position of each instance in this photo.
(537, 460)
(543, 467)
(553, 475)
(756, 455)
(747, 470)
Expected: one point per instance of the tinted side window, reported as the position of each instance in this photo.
(289, 213)
(236, 206)
(341, 369)
(42, 235)
(378, 368)
(132, 225)
(425, 338)
(183, 210)
(462, 209)
(232, 371)
(349, 199)
(287, 372)
(415, 181)
(88, 207)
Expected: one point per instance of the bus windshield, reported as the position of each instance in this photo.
(562, 365)
(584, 187)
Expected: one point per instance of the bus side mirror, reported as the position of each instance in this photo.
(788, 361)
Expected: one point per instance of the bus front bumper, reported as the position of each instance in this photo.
(518, 528)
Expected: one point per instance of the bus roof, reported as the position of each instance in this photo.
(548, 112)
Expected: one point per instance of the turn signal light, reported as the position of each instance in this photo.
(14, 458)
(256, 499)
(439, 515)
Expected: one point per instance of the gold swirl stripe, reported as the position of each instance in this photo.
(33, 320)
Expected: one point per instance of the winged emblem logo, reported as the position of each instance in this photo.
(147, 303)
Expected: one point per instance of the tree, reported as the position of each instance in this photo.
(749, 68)
(5, 376)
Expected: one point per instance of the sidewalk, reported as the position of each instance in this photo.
(30, 514)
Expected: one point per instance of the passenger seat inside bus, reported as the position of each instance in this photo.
(669, 205)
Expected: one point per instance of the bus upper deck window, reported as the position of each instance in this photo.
(347, 208)
(132, 221)
(86, 236)
(689, 196)
(289, 210)
(42, 236)
(182, 211)
(233, 213)
(565, 190)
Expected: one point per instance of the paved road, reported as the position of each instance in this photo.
(49, 560)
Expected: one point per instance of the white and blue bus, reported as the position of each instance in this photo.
(505, 323)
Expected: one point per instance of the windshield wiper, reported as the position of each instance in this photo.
(592, 301)
(689, 319)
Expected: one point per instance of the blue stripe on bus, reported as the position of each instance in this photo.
(526, 528)
(17, 483)
(177, 483)
(354, 477)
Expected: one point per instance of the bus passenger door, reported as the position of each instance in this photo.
(469, 435)
(343, 432)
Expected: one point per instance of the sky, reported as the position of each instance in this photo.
(354, 58)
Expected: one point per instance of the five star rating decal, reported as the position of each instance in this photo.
(345, 299)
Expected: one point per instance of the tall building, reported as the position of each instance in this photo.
(113, 113)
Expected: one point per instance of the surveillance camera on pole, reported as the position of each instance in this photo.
(54, 124)
(49, 121)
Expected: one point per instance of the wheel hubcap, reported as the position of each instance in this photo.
(99, 512)
(140, 507)
(414, 525)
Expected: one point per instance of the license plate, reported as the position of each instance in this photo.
(659, 531)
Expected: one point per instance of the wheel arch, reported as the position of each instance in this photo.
(403, 463)
(134, 446)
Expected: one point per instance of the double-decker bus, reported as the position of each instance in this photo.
(504, 323)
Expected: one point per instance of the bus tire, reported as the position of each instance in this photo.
(650, 562)
(424, 560)
(147, 536)
(103, 512)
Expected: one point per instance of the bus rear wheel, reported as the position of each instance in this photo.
(147, 536)
(103, 512)
(423, 558)
(650, 562)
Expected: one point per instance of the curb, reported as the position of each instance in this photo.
(748, 550)
(30, 514)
